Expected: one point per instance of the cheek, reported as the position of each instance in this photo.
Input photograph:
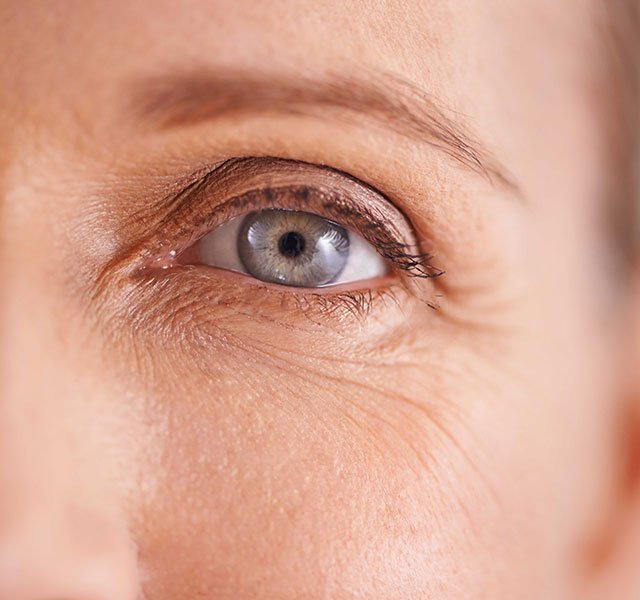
(273, 489)
(278, 494)
(301, 482)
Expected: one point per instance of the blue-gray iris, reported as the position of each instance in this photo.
(292, 247)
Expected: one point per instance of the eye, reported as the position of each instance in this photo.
(289, 223)
(290, 247)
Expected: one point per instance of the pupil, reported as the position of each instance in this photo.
(291, 244)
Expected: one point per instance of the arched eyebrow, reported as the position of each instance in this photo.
(189, 98)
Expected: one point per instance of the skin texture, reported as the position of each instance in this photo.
(196, 434)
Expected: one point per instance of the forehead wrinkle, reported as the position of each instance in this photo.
(192, 97)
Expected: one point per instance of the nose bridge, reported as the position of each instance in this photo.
(61, 534)
(37, 432)
(61, 549)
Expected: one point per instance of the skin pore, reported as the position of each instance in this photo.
(172, 430)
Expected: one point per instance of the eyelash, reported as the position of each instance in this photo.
(416, 265)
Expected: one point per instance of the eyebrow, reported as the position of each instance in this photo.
(190, 98)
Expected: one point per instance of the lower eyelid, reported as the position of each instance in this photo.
(189, 297)
(198, 301)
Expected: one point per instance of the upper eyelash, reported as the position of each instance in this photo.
(417, 265)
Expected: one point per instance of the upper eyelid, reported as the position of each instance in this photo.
(234, 180)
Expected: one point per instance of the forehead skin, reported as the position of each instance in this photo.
(388, 459)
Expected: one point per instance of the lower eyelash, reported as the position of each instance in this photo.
(356, 303)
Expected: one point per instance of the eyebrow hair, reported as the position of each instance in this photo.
(189, 98)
